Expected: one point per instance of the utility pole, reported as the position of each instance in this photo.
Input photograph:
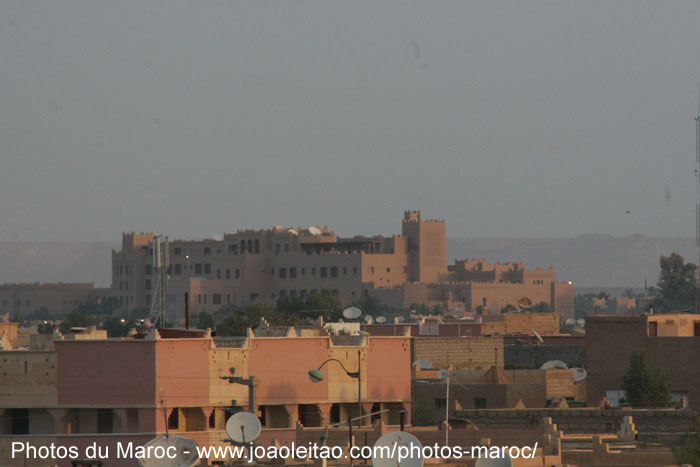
(697, 207)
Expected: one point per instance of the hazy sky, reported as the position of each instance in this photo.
(508, 119)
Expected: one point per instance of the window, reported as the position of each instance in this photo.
(345, 270)
(218, 273)
(388, 269)
(313, 271)
(292, 293)
(126, 285)
(292, 273)
(149, 270)
(257, 245)
(174, 419)
(228, 298)
(238, 273)
(250, 245)
(228, 273)
(232, 249)
(205, 298)
(207, 250)
(283, 273)
(242, 246)
(148, 284)
(216, 299)
(302, 293)
(283, 293)
(324, 271)
(177, 251)
(272, 271)
(441, 404)
(354, 270)
(286, 247)
(198, 268)
(334, 271)
(479, 402)
(371, 269)
(207, 268)
(178, 269)
(253, 297)
(303, 271)
(199, 298)
(278, 248)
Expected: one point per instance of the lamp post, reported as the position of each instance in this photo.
(317, 376)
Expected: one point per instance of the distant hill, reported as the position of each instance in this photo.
(56, 262)
(589, 260)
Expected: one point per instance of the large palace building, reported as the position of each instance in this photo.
(260, 266)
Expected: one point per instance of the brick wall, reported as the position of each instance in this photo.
(522, 323)
(462, 353)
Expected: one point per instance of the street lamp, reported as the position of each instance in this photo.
(316, 376)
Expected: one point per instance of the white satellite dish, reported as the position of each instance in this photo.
(382, 457)
(443, 374)
(368, 319)
(243, 427)
(381, 319)
(293, 232)
(278, 227)
(185, 448)
(579, 374)
(554, 365)
(352, 312)
(570, 322)
(423, 364)
(399, 319)
(581, 321)
(313, 230)
(505, 461)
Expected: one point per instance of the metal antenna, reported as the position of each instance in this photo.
(697, 205)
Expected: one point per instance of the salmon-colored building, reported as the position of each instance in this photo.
(121, 390)
(260, 266)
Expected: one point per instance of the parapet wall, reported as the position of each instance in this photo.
(463, 353)
(525, 356)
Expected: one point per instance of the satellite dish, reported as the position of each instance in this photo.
(525, 303)
(554, 365)
(293, 232)
(423, 364)
(443, 374)
(313, 230)
(581, 321)
(399, 319)
(537, 336)
(505, 461)
(579, 374)
(570, 322)
(147, 324)
(243, 427)
(185, 448)
(368, 319)
(278, 227)
(397, 438)
(352, 312)
(381, 319)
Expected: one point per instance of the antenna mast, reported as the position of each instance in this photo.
(697, 206)
(161, 261)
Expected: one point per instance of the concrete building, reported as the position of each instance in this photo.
(671, 343)
(260, 266)
(119, 390)
(58, 298)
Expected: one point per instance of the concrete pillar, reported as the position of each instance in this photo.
(207, 413)
(407, 406)
(57, 415)
(293, 411)
(325, 409)
(366, 410)
(123, 426)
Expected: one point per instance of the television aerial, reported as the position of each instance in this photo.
(554, 365)
(505, 461)
(185, 449)
(352, 312)
(381, 319)
(313, 230)
(423, 364)
(243, 427)
(579, 374)
(397, 438)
